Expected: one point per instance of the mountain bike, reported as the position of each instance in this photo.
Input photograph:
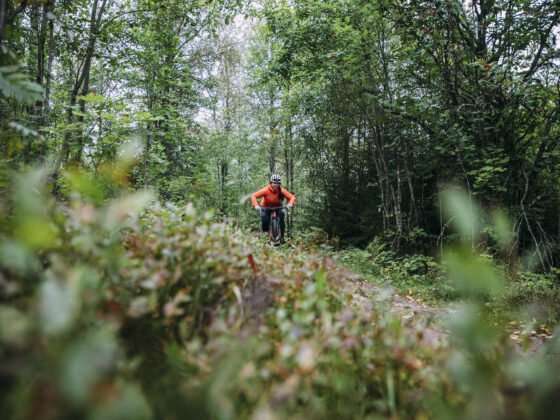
(275, 234)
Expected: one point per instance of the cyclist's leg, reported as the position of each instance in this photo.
(283, 222)
(265, 219)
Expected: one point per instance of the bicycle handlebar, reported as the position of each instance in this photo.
(275, 208)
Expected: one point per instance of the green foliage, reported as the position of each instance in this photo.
(105, 273)
(481, 364)
(114, 304)
(417, 275)
(57, 266)
(396, 98)
(175, 270)
(463, 271)
(16, 85)
(139, 309)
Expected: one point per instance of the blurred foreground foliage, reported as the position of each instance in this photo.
(114, 306)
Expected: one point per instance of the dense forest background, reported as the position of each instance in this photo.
(132, 133)
(368, 109)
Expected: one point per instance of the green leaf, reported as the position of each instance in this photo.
(463, 212)
(14, 326)
(473, 331)
(29, 192)
(473, 275)
(58, 305)
(86, 362)
(23, 130)
(143, 116)
(84, 183)
(124, 210)
(130, 403)
(36, 232)
(92, 98)
(17, 86)
(534, 372)
(17, 257)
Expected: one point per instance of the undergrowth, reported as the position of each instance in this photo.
(426, 279)
(416, 275)
(121, 308)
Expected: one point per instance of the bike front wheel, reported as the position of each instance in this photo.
(275, 231)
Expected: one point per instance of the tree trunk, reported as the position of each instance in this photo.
(7, 16)
(271, 133)
(149, 136)
(3, 6)
(81, 85)
(289, 164)
(95, 23)
(50, 59)
(44, 24)
(412, 213)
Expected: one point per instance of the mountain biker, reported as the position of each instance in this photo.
(272, 196)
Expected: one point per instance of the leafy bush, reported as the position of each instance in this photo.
(182, 265)
(88, 285)
(14, 83)
(125, 308)
(115, 311)
(59, 268)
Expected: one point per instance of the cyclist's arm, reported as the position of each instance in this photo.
(291, 197)
(256, 195)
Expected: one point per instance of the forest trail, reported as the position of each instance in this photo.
(427, 322)
(362, 295)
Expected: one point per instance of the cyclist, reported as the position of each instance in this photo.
(272, 196)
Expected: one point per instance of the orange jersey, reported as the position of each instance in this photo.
(269, 198)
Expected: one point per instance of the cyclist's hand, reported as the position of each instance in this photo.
(290, 206)
(258, 208)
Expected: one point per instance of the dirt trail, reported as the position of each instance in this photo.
(259, 296)
(366, 294)
(429, 320)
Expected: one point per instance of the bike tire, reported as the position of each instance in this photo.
(275, 230)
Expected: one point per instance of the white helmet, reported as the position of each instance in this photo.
(275, 179)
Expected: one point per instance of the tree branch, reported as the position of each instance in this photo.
(543, 41)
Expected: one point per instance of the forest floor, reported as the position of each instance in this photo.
(525, 337)
(427, 319)
(431, 320)
(361, 293)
